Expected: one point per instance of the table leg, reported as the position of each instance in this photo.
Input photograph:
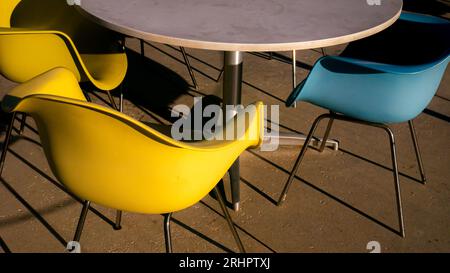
(232, 90)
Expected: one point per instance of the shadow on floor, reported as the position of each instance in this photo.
(4, 246)
(151, 86)
(314, 187)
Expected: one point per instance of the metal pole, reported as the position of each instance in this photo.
(232, 91)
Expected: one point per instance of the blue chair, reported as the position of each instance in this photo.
(387, 78)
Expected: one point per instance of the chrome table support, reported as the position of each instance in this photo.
(232, 90)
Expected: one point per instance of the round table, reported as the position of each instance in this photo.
(234, 26)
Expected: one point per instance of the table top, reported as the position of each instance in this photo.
(245, 25)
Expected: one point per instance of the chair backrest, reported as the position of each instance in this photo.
(58, 15)
(414, 39)
(368, 93)
(387, 78)
(108, 158)
(23, 55)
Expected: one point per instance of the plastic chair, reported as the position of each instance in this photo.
(36, 36)
(58, 82)
(387, 78)
(139, 169)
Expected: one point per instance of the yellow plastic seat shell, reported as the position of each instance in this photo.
(29, 51)
(113, 160)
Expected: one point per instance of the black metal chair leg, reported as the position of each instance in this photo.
(220, 74)
(111, 99)
(86, 95)
(300, 157)
(229, 220)
(417, 150)
(117, 224)
(81, 221)
(121, 102)
(6, 142)
(23, 122)
(326, 135)
(396, 180)
(189, 67)
(167, 236)
(142, 47)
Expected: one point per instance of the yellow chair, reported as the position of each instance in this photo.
(59, 82)
(36, 36)
(108, 158)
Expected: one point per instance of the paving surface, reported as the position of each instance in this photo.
(343, 200)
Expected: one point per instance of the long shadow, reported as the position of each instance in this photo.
(437, 115)
(201, 235)
(190, 56)
(4, 246)
(336, 199)
(442, 98)
(267, 93)
(47, 210)
(258, 191)
(151, 86)
(240, 228)
(34, 212)
(276, 56)
(379, 165)
(58, 185)
(432, 7)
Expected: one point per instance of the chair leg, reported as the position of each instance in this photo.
(326, 135)
(142, 48)
(294, 72)
(396, 180)
(229, 220)
(300, 158)
(220, 74)
(23, 122)
(121, 102)
(117, 224)
(86, 95)
(417, 150)
(111, 100)
(81, 221)
(6, 142)
(189, 67)
(235, 181)
(167, 236)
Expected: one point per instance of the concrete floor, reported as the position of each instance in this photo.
(343, 200)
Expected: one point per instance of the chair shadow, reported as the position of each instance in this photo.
(432, 7)
(436, 115)
(152, 87)
(318, 189)
(33, 211)
(4, 246)
(221, 188)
